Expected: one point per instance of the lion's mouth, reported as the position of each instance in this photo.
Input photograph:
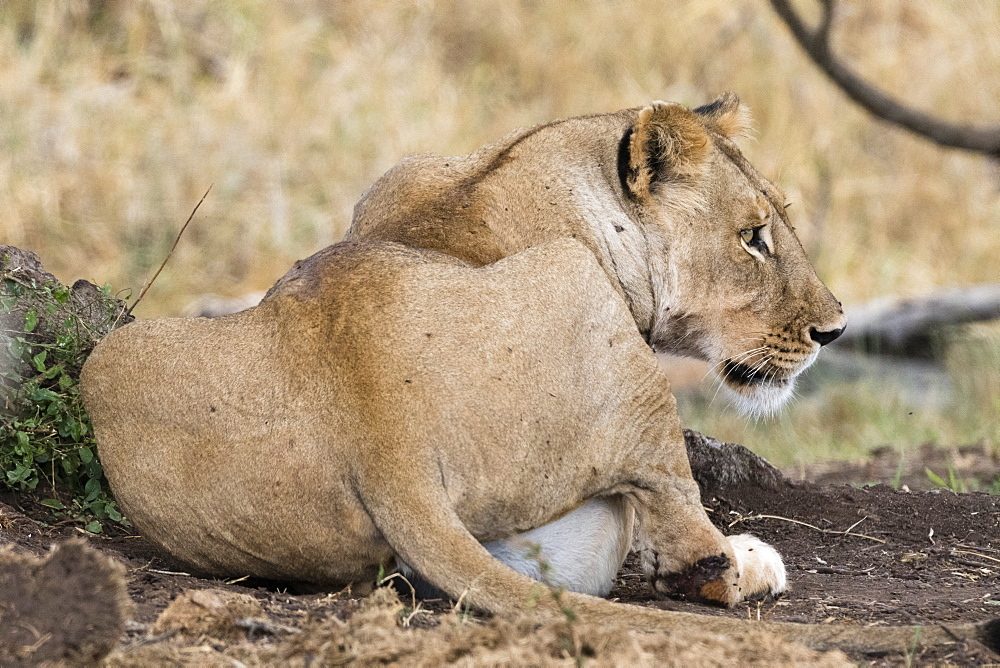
(746, 376)
(760, 389)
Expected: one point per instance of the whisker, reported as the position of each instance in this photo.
(760, 366)
(746, 358)
(745, 355)
(718, 387)
(763, 362)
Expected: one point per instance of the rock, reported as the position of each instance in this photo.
(719, 467)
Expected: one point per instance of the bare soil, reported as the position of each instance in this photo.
(856, 555)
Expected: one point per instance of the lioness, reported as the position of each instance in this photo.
(688, 233)
(474, 366)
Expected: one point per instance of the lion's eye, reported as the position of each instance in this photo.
(753, 238)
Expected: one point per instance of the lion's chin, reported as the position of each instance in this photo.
(762, 399)
(759, 391)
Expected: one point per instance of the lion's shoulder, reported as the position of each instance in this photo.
(479, 206)
(429, 202)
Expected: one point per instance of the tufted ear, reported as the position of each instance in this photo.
(727, 116)
(667, 143)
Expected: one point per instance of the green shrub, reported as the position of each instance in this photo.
(47, 443)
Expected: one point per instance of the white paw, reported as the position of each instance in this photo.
(762, 572)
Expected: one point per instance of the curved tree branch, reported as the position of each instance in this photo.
(816, 43)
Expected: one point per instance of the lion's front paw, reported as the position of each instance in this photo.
(711, 579)
(762, 572)
(751, 570)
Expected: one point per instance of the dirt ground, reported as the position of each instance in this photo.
(857, 556)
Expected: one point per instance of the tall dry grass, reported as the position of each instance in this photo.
(115, 115)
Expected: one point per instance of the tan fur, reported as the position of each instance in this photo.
(484, 376)
(659, 195)
(727, 117)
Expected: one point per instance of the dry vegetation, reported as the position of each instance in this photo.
(382, 631)
(118, 114)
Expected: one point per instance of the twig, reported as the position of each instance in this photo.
(980, 548)
(836, 570)
(851, 528)
(806, 524)
(153, 570)
(142, 293)
(458, 604)
(144, 567)
(816, 43)
(416, 611)
(822, 34)
(971, 563)
(413, 591)
(976, 554)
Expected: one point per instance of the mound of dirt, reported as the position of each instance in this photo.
(209, 612)
(69, 606)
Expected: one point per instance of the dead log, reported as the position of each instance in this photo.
(918, 327)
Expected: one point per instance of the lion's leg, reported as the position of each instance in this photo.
(683, 554)
(681, 551)
(581, 551)
(431, 536)
(414, 514)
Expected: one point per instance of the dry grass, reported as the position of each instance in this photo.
(377, 634)
(117, 114)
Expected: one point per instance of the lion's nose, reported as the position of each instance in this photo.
(823, 338)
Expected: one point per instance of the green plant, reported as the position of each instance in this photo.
(46, 439)
(967, 484)
(911, 651)
(953, 483)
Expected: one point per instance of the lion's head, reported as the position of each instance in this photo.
(735, 288)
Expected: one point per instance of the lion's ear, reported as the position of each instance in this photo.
(667, 143)
(727, 116)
